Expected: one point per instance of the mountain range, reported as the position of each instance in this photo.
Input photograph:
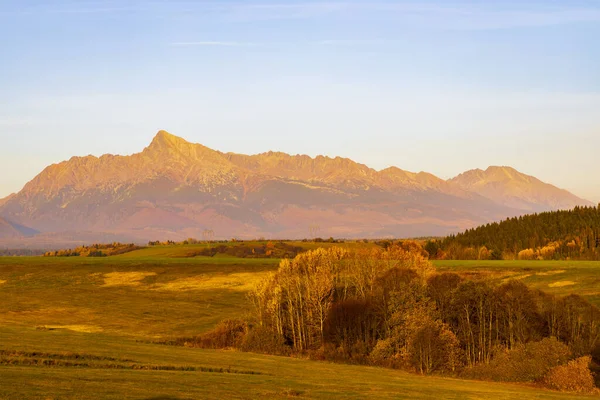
(175, 189)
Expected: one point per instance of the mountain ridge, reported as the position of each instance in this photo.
(10, 230)
(517, 190)
(174, 188)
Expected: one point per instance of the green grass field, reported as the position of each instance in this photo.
(142, 297)
(276, 377)
(558, 277)
(101, 315)
(189, 250)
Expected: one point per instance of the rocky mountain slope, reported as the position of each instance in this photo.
(509, 187)
(10, 230)
(176, 189)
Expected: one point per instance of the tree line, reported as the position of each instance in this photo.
(21, 252)
(389, 307)
(94, 250)
(557, 235)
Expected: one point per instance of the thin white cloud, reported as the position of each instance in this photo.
(105, 10)
(213, 44)
(325, 42)
(352, 42)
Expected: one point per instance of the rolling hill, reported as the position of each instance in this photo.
(176, 189)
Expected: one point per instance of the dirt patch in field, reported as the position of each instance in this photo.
(126, 278)
(241, 282)
(548, 273)
(74, 328)
(561, 284)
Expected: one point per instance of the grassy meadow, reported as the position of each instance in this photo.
(145, 297)
(81, 328)
(557, 277)
(191, 250)
(252, 376)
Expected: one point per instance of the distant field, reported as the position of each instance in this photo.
(114, 307)
(189, 250)
(558, 277)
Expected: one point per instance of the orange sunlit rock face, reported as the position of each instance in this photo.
(178, 189)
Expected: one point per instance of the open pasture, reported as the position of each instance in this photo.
(557, 277)
(185, 374)
(136, 297)
(79, 328)
(193, 250)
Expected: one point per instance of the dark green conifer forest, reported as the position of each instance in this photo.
(558, 235)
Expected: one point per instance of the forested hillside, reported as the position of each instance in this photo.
(573, 234)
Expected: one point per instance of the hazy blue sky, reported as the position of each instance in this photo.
(440, 86)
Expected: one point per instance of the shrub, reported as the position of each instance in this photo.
(228, 333)
(348, 352)
(496, 255)
(572, 377)
(262, 340)
(386, 354)
(527, 254)
(525, 363)
(356, 352)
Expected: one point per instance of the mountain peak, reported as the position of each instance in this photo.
(501, 168)
(165, 144)
(504, 172)
(164, 139)
(192, 160)
(514, 189)
(491, 173)
(180, 188)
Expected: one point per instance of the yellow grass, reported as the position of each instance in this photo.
(75, 328)
(513, 276)
(560, 271)
(157, 299)
(561, 284)
(126, 278)
(243, 281)
(238, 281)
